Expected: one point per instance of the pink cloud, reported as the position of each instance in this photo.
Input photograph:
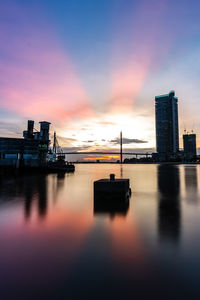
(37, 77)
(134, 54)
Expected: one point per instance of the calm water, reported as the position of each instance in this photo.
(55, 245)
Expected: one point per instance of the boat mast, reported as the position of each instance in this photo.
(54, 142)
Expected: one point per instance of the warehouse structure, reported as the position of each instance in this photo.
(31, 150)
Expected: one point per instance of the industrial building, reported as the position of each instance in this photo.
(31, 150)
(189, 142)
(167, 132)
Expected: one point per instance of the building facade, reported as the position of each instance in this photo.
(189, 143)
(167, 132)
(28, 151)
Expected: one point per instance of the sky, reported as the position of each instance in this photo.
(93, 68)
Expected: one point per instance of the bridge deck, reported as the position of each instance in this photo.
(110, 153)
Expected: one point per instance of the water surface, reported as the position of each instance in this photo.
(54, 244)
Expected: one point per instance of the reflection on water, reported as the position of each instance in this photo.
(35, 190)
(191, 184)
(85, 249)
(30, 189)
(190, 177)
(169, 211)
(113, 207)
(121, 171)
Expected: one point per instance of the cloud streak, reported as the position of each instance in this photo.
(127, 141)
(134, 50)
(37, 78)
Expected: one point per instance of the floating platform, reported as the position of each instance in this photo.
(112, 189)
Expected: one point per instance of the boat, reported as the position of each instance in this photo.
(57, 161)
(60, 165)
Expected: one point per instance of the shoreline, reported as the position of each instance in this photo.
(141, 163)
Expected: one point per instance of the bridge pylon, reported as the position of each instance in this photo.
(121, 152)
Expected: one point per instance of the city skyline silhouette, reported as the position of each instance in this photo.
(94, 68)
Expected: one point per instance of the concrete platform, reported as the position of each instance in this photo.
(112, 188)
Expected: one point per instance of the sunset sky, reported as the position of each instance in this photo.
(94, 67)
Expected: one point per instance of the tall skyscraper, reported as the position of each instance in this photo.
(167, 134)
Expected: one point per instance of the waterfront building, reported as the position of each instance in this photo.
(189, 142)
(167, 133)
(28, 151)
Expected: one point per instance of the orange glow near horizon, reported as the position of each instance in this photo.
(104, 157)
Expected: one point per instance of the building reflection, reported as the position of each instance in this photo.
(35, 190)
(60, 180)
(121, 171)
(191, 183)
(32, 189)
(111, 207)
(169, 213)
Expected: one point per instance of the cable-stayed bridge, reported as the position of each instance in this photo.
(121, 153)
(110, 153)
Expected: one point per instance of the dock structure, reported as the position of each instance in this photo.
(29, 151)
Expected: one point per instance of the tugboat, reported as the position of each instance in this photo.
(58, 164)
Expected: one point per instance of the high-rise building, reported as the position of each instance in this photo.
(167, 134)
(189, 142)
